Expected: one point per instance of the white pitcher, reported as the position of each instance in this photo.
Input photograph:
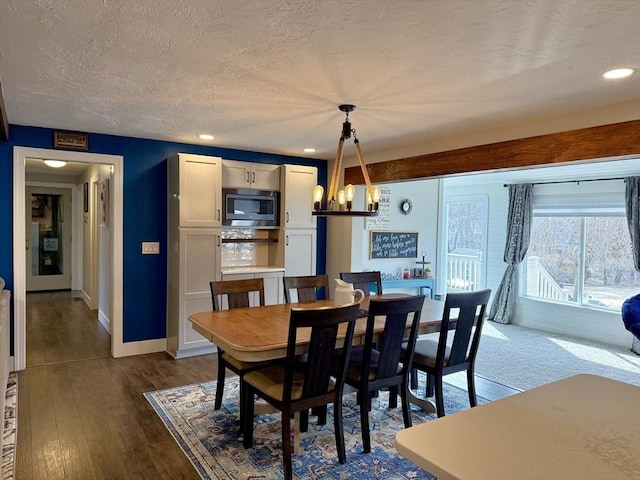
(345, 293)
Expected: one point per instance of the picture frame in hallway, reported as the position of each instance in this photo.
(103, 203)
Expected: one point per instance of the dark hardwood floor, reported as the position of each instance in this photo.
(82, 414)
(60, 328)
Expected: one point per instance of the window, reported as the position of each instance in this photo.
(580, 255)
(465, 242)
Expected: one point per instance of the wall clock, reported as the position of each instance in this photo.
(406, 206)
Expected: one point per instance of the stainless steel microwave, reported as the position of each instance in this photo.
(250, 208)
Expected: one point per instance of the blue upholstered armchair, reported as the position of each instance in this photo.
(631, 319)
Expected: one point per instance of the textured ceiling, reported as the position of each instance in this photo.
(268, 75)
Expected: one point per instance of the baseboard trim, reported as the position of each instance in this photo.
(128, 349)
(104, 321)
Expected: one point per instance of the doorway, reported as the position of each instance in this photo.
(115, 232)
(48, 238)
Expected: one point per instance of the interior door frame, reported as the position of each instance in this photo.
(20, 154)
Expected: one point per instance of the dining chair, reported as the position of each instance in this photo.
(456, 349)
(237, 294)
(382, 362)
(308, 288)
(294, 386)
(363, 280)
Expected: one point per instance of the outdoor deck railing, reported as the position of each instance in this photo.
(463, 272)
(541, 284)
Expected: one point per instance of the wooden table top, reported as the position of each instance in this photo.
(260, 333)
(581, 427)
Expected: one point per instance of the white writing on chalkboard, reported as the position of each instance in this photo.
(394, 245)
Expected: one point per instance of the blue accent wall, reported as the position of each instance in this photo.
(145, 215)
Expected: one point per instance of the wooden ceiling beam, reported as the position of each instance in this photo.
(4, 122)
(581, 145)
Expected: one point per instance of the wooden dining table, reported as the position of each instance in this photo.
(255, 334)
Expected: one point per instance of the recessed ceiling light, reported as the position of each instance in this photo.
(55, 163)
(309, 150)
(205, 136)
(619, 73)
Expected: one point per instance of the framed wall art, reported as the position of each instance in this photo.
(103, 203)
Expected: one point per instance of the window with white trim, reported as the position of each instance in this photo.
(580, 254)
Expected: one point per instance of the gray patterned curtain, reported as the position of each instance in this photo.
(632, 206)
(518, 230)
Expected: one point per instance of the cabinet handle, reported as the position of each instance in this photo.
(247, 176)
(287, 217)
(218, 238)
(253, 177)
(218, 214)
(287, 242)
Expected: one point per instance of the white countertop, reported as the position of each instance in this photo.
(252, 269)
(581, 427)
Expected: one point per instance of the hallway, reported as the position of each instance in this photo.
(61, 328)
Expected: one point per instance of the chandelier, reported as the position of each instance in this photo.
(340, 202)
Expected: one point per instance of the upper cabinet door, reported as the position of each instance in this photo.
(297, 183)
(265, 176)
(260, 176)
(195, 190)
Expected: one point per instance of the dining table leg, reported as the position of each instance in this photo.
(424, 403)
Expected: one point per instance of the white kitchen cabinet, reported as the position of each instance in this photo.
(299, 252)
(273, 286)
(259, 176)
(195, 190)
(297, 203)
(193, 261)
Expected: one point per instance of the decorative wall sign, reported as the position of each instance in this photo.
(382, 221)
(393, 245)
(74, 141)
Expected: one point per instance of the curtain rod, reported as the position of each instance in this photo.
(573, 181)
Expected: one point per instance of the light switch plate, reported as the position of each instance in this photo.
(150, 248)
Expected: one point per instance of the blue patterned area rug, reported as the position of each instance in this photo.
(211, 438)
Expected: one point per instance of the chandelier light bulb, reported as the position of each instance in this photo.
(341, 199)
(318, 191)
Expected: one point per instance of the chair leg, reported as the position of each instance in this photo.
(339, 430)
(404, 398)
(439, 396)
(428, 391)
(286, 444)
(414, 378)
(321, 413)
(393, 397)
(304, 420)
(471, 388)
(220, 385)
(247, 407)
(364, 423)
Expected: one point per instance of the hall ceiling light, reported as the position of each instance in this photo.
(619, 73)
(205, 136)
(55, 163)
(344, 198)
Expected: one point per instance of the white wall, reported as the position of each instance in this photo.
(348, 240)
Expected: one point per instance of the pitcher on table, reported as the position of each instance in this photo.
(345, 293)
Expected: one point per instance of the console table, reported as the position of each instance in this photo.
(419, 283)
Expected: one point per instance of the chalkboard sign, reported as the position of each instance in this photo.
(394, 245)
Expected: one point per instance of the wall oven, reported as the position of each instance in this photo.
(250, 208)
